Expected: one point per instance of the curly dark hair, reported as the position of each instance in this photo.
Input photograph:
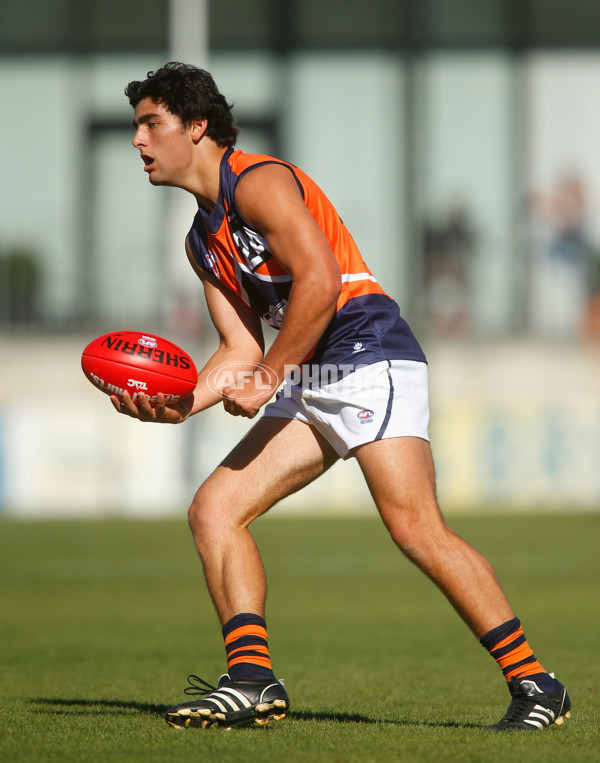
(189, 93)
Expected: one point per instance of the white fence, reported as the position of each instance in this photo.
(514, 425)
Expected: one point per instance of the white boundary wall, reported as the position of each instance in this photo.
(514, 426)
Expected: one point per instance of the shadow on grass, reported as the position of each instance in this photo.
(356, 718)
(58, 706)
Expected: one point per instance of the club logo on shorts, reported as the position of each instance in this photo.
(366, 416)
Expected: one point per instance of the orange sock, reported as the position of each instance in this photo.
(247, 647)
(508, 646)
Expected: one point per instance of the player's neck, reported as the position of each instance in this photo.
(204, 181)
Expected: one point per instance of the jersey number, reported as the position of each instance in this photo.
(252, 247)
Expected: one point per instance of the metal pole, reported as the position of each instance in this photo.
(188, 31)
(188, 43)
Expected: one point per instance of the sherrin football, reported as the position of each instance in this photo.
(139, 363)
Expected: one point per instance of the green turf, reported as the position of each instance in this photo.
(101, 622)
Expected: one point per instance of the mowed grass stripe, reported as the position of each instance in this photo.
(102, 621)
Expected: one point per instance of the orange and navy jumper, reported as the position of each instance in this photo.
(508, 646)
(366, 328)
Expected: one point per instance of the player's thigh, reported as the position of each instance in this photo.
(276, 458)
(401, 478)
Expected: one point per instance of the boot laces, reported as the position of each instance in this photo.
(197, 685)
(519, 706)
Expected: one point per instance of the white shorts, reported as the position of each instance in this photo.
(382, 400)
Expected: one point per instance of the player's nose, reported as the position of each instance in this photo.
(138, 141)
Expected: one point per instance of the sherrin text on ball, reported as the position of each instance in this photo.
(138, 362)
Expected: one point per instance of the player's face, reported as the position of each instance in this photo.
(164, 143)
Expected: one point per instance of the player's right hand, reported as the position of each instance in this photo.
(143, 411)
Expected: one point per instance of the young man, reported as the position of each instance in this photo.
(267, 244)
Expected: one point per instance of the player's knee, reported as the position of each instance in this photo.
(205, 514)
(416, 537)
(412, 544)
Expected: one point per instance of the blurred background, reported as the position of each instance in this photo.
(459, 139)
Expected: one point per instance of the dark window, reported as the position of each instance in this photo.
(77, 26)
(81, 26)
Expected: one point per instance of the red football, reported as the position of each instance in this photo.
(138, 362)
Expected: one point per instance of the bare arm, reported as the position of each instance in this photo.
(269, 198)
(240, 343)
(240, 339)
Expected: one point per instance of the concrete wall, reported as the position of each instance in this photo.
(515, 425)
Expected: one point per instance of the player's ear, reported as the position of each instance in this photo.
(198, 129)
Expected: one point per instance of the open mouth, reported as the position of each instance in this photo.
(148, 161)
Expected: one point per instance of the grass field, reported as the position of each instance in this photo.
(101, 622)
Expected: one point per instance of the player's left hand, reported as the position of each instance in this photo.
(143, 411)
(248, 400)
